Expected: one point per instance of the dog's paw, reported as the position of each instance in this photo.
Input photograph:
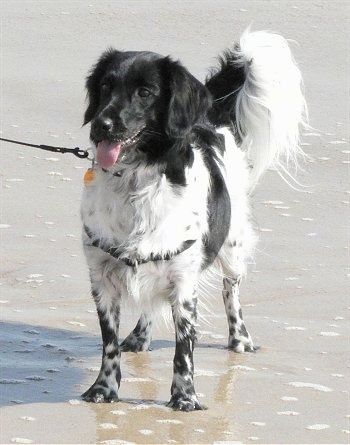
(185, 403)
(99, 394)
(242, 345)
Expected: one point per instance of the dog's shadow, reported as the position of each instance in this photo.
(41, 364)
(161, 344)
(50, 365)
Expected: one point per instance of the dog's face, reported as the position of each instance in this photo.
(138, 96)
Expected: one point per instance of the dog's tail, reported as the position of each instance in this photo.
(258, 93)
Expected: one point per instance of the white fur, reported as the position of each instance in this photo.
(144, 213)
(271, 105)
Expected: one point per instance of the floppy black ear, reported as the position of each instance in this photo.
(189, 99)
(93, 83)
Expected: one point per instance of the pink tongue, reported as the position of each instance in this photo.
(108, 153)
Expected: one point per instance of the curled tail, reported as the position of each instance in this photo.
(258, 93)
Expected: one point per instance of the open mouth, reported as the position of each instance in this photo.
(111, 152)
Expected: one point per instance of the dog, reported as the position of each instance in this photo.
(167, 203)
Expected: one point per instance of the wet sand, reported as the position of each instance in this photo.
(295, 297)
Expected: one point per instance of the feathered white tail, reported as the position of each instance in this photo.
(270, 106)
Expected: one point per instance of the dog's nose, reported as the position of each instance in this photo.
(101, 127)
(106, 124)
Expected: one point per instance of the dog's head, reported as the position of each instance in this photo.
(139, 97)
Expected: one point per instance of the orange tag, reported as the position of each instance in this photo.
(89, 177)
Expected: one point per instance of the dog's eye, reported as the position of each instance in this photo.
(105, 87)
(143, 92)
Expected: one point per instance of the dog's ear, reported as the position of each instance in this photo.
(189, 100)
(93, 83)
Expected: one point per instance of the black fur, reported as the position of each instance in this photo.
(224, 84)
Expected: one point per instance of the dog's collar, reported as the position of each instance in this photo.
(119, 173)
(94, 165)
(116, 252)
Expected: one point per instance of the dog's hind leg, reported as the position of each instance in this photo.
(140, 338)
(232, 257)
(239, 339)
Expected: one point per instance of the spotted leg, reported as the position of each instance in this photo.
(105, 389)
(140, 338)
(183, 395)
(239, 339)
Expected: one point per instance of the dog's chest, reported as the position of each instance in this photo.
(141, 207)
(104, 209)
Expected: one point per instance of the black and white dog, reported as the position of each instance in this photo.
(175, 161)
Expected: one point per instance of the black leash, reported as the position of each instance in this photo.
(75, 151)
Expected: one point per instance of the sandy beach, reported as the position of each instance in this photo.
(295, 297)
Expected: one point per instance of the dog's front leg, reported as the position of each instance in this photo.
(183, 395)
(107, 299)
